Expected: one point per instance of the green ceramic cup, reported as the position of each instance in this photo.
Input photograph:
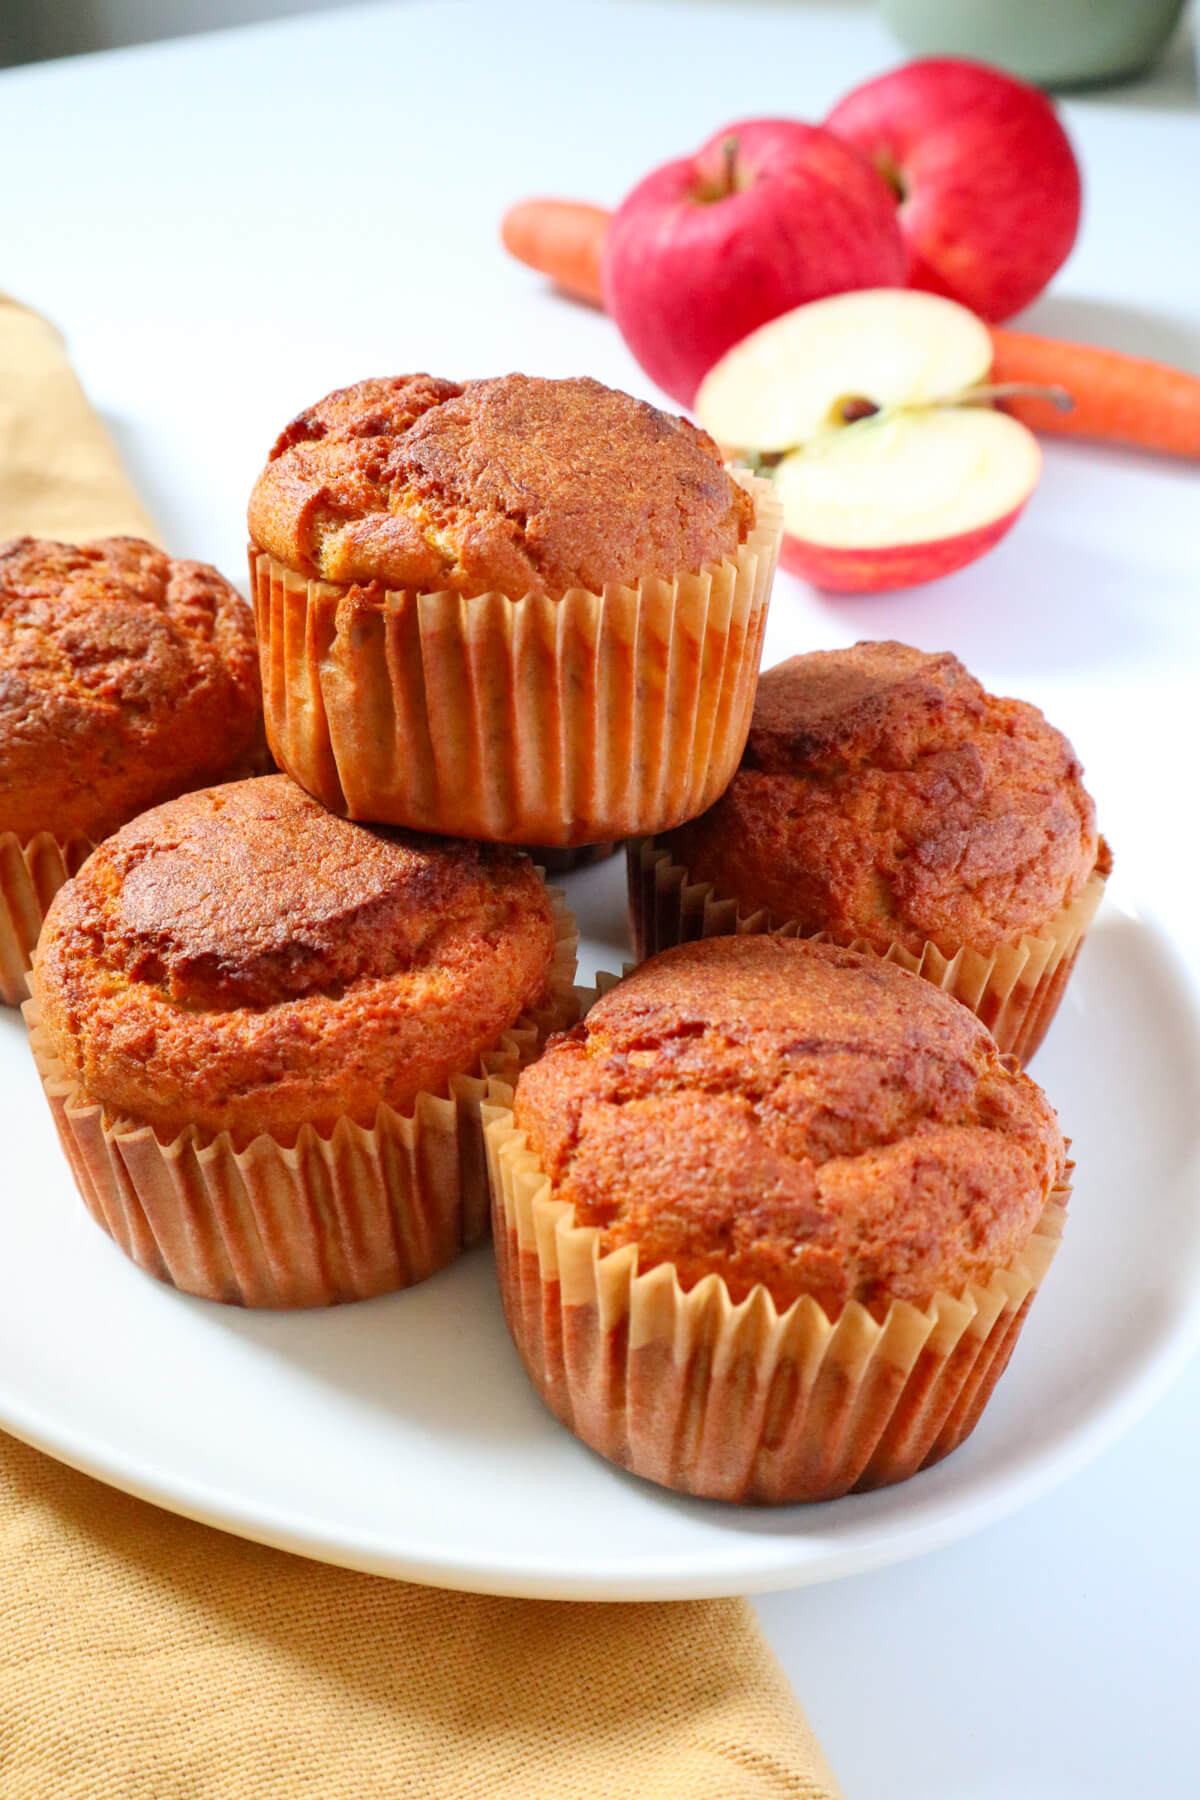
(1056, 43)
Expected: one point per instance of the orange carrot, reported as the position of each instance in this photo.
(561, 238)
(1117, 399)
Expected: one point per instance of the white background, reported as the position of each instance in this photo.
(227, 228)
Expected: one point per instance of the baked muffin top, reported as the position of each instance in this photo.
(885, 795)
(125, 678)
(517, 485)
(791, 1113)
(243, 960)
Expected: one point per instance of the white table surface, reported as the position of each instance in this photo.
(228, 226)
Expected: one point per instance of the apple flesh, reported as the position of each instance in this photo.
(906, 499)
(767, 215)
(860, 407)
(790, 380)
(987, 186)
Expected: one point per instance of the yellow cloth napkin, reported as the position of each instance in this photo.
(60, 476)
(144, 1657)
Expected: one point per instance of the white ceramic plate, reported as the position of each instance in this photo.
(401, 1436)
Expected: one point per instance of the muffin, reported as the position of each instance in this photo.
(769, 1221)
(886, 800)
(519, 610)
(267, 1035)
(125, 679)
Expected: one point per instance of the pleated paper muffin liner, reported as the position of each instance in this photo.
(30, 876)
(742, 1402)
(540, 721)
(326, 1219)
(1014, 990)
(564, 861)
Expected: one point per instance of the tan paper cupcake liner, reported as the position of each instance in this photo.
(557, 860)
(741, 1402)
(1015, 990)
(30, 876)
(536, 721)
(358, 1213)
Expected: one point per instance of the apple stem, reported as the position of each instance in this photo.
(895, 180)
(729, 150)
(854, 412)
(1010, 390)
(723, 181)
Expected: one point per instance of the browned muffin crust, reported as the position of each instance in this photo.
(243, 960)
(791, 1113)
(885, 795)
(517, 485)
(125, 678)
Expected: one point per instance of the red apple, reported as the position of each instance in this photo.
(768, 214)
(863, 409)
(986, 181)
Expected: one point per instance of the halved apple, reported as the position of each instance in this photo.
(869, 411)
